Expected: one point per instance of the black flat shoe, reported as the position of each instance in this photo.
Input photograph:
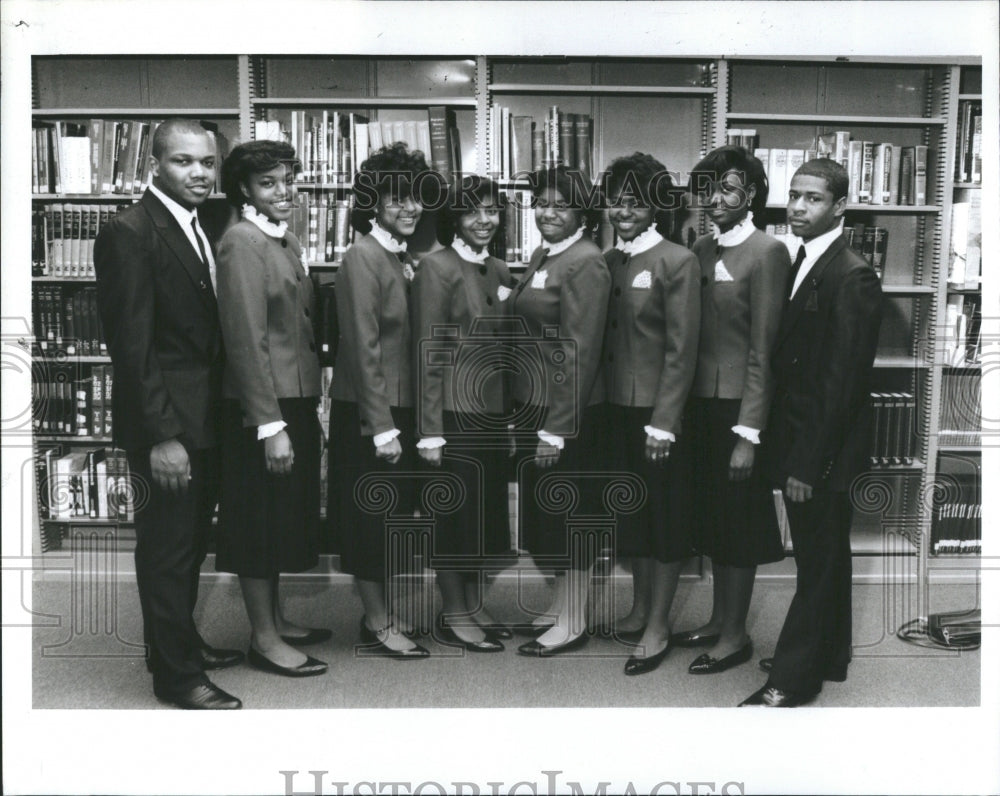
(692, 638)
(634, 665)
(316, 635)
(310, 668)
(771, 697)
(202, 697)
(534, 649)
(374, 647)
(215, 658)
(528, 629)
(448, 636)
(706, 664)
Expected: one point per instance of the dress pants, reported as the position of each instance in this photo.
(171, 534)
(815, 641)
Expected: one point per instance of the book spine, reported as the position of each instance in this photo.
(920, 174)
(867, 168)
(879, 248)
(437, 118)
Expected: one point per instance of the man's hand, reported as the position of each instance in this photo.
(170, 465)
(657, 450)
(796, 491)
(278, 453)
(741, 462)
(430, 455)
(391, 451)
(546, 455)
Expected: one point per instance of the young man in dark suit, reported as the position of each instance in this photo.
(819, 430)
(155, 277)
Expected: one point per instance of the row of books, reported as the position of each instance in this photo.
(97, 156)
(332, 145)
(879, 173)
(961, 408)
(965, 255)
(893, 433)
(521, 145)
(969, 147)
(77, 484)
(62, 238)
(957, 521)
(67, 403)
(66, 321)
(519, 235)
(871, 242)
(962, 330)
(323, 226)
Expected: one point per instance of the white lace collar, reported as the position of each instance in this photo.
(736, 235)
(641, 243)
(385, 239)
(262, 222)
(556, 248)
(467, 253)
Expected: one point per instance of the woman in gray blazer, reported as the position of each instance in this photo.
(460, 297)
(743, 276)
(269, 505)
(650, 351)
(371, 416)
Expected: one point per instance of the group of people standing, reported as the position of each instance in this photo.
(703, 378)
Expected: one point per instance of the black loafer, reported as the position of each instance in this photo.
(706, 664)
(448, 636)
(202, 697)
(534, 649)
(634, 665)
(213, 658)
(316, 635)
(771, 697)
(692, 638)
(310, 668)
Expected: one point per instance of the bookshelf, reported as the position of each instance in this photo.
(674, 108)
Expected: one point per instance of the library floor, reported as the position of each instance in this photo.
(79, 661)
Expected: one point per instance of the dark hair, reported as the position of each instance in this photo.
(583, 197)
(711, 168)
(253, 157)
(648, 179)
(393, 170)
(467, 194)
(831, 171)
(167, 128)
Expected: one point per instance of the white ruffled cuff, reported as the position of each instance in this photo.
(748, 433)
(270, 429)
(552, 439)
(432, 443)
(660, 434)
(385, 436)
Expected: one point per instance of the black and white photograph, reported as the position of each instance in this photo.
(500, 397)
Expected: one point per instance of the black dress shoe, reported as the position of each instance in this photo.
(529, 629)
(316, 635)
(202, 697)
(634, 665)
(692, 638)
(212, 658)
(766, 664)
(310, 668)
(534, 649)
(706, 664)
(373, 646)
(449, 636)
(771, 697)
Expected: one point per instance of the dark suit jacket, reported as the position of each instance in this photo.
(373, 358)
(651, 342)
(451, 292)
(739, 321)
(569, 308)
(820, 419)
(162, 327)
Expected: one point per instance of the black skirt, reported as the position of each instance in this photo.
(476, 527)
(269, 524)
(736, 522)
(563, 515)
(370, 501)
(657, 523)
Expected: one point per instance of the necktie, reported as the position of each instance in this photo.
(202, 252)
(795, 269)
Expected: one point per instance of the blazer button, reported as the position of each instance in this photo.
(618, 291)
(795, 360)
(614, 324)
(489, 301)
(306, 311)
(483, 270)
(284, 243)
(298, 277)
(704, 281)
(312, 346)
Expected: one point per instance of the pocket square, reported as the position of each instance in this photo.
(812, 302)
(538, 279)
(503, 293)
(721, 274)
(643, 279)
